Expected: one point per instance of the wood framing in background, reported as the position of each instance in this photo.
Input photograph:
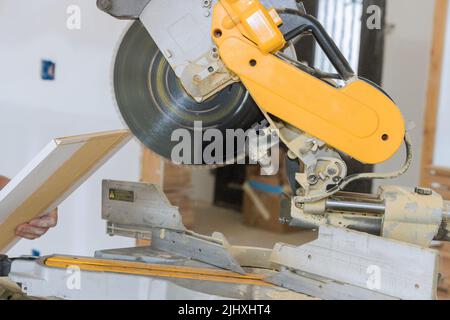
(431, 176)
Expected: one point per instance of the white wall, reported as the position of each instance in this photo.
(442, 147)
(407, 58)
(80, 100)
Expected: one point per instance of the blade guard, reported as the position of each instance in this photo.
(357, 119)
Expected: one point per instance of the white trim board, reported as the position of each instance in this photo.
(57, 171)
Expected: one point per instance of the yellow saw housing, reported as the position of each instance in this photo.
(357, 119)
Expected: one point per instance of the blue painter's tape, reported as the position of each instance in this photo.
(35, 253)
(48, 70)
(264, 187)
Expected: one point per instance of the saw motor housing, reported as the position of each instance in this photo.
(213, 44)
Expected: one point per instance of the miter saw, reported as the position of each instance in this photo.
(230, 64)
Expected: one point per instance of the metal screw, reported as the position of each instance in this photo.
(423, 191)
(214, 53)
(332, 171)
(336, 179)
(300, 205)
(312, 179)
(104, 4)
(169, 54)
(300, 6)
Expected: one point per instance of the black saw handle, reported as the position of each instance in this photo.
(306, 23)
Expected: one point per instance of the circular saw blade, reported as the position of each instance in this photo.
(154, 104)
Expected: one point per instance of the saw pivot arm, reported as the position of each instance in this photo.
(357, 119)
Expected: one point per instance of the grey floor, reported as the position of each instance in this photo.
(209, 219)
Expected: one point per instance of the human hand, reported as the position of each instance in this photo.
(38, 227)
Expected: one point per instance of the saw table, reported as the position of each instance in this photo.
(179, 264)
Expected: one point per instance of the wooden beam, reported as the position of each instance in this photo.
(152, 171)
(434, 86)
(439, 179)
(152, 167)
(439, 172)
